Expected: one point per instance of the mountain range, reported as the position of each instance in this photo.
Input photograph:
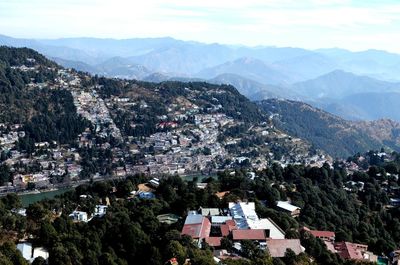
(353, 85)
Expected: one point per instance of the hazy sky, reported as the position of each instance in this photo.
(356, 25)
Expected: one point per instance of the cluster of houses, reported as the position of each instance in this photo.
(346, 250)
(239, 222)
(80, 216)
(179, 152)
(190, 142)
(92, 107)
(38, 168)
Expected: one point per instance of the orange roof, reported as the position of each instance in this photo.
(221, 194)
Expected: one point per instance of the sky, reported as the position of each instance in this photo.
(312, 24)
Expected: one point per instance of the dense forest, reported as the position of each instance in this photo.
(130, 233)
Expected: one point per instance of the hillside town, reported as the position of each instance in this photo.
(188, 141)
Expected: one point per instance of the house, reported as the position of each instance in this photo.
(246, 217)
(353, 251)
(168, 218)
(324, 235)
(100, 210)
(241, 212)
(25, 249)
(196, 226)
(272, 229)
(78, 216)
(30, 254)
(40, 252)
(285, 206)
(278, 247)
(146, 195)
(155, 182)
(224, 254)
(201, 186)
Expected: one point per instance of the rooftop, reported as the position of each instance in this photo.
(287, 206)
(196, 227)
(249, 234)
(277, 247)
(317, 233)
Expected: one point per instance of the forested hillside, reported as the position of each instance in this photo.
(336, 136)
(30, 97)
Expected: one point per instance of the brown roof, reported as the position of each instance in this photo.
(214, 241)
(317, 233)
(277, 247)
(348, 250)
(249, 234)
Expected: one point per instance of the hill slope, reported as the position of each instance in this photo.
(336, 136)
(170, 127)
(27, 97)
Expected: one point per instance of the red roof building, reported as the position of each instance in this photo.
(278, 247)
(249, 234)
(224, 230)
(324, 235)
(228, 227)
(213, 241)
(197, 227)
(231, 224)
(348, 250)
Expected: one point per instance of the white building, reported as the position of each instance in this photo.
(287, 207)
(30, 254)
(79, 216)
(245, 216)
(100, 210)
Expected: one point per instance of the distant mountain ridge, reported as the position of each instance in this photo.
(189, 57)
(338, 84)
(336, 80)
(251, 68)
